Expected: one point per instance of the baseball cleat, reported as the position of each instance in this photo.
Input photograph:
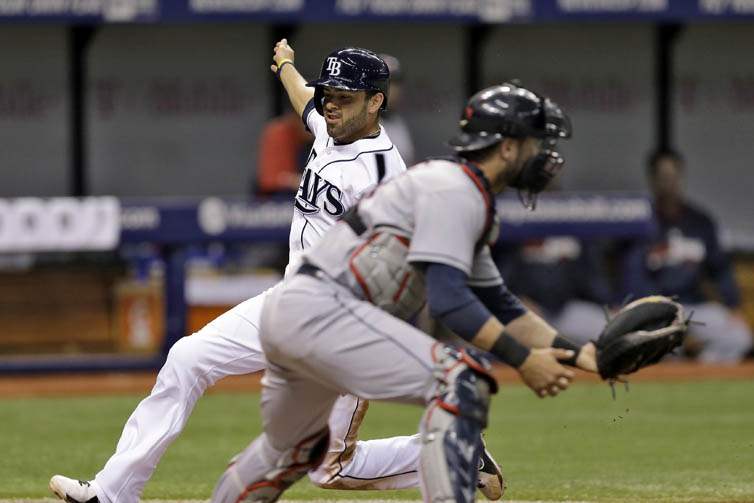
(491, 481)
(73, 491)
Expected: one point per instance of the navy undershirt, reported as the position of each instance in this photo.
(464, 309)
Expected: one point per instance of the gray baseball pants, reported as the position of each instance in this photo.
(321, 341)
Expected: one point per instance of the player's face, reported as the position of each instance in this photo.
(667, 181)
(524, 150)
(347, 114)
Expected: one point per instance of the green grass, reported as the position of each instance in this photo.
(659, 442)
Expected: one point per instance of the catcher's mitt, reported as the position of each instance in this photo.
(639, 335)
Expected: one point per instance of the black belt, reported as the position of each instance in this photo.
(309, 270)
(354, 221)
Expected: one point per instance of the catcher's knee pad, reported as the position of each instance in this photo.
(247, 478)
(452, 425)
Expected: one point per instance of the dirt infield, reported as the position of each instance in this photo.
(142, 382)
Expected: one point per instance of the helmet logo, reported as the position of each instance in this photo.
(468, 112)
(333, 66)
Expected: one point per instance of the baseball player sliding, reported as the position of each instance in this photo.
(337, 324)
(351, 155)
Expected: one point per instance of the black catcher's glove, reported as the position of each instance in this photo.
(640, 335)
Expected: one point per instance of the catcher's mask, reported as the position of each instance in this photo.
(537, 172)
(512, 111)
(352, 69)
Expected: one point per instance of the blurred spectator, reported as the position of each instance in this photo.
(677, 261)
(394, 124)
(561, 279)
(283, 148)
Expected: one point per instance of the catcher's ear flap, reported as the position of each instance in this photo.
(643, 316)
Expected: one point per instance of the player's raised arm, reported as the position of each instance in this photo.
(293, 82)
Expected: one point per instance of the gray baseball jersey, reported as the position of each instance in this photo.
(322, 338)
(335, 178)
(443, 210)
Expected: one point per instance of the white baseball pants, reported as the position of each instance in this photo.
(230, 345)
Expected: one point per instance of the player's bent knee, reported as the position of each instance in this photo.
(452, 425)
(246, 480)
(185, 353)
(325, 476)
(326, 483)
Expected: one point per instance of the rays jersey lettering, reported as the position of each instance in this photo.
(315, 193)
(335, 178)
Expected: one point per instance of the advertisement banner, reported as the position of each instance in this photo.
(31, 224)
(472, 11)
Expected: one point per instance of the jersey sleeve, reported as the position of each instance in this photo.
(484, 271)
(447, 225)
(314, 122)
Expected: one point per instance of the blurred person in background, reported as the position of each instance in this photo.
(283, 149)
(680, 258)
(392, 121)
(560, 278)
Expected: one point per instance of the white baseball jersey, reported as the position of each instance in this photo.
(335, 178)
(442, 207)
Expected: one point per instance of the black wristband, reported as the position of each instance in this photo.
(561, 342)
(280, 68)
(509, 350)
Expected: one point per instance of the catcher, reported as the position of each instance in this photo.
(337, 325)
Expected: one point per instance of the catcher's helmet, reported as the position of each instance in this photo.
(508, 110)
(352, 69)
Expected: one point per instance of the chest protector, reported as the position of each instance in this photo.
(380, 271)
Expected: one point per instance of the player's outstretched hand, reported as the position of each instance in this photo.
(542, 372)
(281, 52)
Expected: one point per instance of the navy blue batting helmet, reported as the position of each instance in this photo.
(352, 69)
(508, 110)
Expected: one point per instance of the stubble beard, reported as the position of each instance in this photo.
(345, 131)
(514, 171)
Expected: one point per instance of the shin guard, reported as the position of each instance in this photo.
(452, 425)
(255, 474)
